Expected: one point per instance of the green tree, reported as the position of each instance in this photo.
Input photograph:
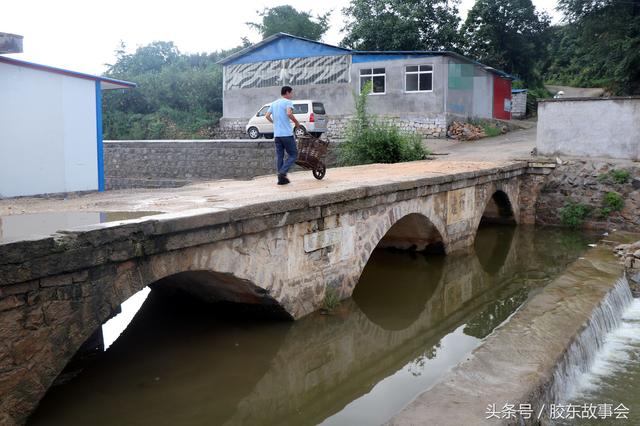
(606, 45)
(288, 20)
(508, 35)
(178, 95)
(402, 25)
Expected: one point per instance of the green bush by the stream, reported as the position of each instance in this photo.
(573, 214)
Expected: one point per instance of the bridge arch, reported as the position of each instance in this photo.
(498, 209)
(413, 232)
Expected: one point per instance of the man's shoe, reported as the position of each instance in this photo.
(282, 180)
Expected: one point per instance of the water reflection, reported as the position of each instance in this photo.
(19, 226)
(410, 320)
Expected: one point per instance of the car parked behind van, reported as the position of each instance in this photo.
(310, 114)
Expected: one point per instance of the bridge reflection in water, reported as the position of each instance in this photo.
(411, 318)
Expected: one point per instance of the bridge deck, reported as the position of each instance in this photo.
(231, 193)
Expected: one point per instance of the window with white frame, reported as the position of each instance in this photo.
(377, 77)
(418, 78)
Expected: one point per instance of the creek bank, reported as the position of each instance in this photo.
(587, 182)
(630, 257)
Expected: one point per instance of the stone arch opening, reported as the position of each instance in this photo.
(224, 291)
(155, 341)
(222, 288)
(498, 210)
(395, 286)
(413, 232)
(492, 246)
(492, 241)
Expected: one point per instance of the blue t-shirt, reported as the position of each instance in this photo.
(282, 126)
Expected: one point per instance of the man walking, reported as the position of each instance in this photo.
(281, 114)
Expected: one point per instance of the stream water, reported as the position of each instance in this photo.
(412, 318)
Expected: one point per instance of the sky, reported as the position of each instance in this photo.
(83, 35)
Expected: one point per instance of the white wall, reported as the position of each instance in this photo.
(47, 132)
(590, 127)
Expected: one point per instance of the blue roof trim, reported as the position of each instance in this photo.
(47, 68)
(518, 90)
(282, 46)
(287, 46)
(359, 58)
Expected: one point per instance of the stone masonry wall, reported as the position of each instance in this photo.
(230, 129)
(429, 126)
(587, 182)
(166, 164)
(434, 126)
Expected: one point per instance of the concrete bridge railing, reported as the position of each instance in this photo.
(55, 291)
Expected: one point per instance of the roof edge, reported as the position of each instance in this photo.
(69, 73)
(268, 40)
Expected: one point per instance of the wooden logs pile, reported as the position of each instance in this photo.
(465, 131)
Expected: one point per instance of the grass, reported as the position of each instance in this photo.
(616, 176)
(331, 300)
(491, 131)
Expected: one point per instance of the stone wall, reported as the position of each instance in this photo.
(166, 164)
(429, 126)
(590, 127)
(630, 256)
(588, 182)
(230, 128)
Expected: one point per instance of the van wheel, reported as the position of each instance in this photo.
(253, 133)
(300, 131)
(268, 135)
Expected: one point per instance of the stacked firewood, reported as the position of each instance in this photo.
(465, 131)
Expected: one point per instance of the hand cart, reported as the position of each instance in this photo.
(311, 153)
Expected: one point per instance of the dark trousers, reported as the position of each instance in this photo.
(288, 144)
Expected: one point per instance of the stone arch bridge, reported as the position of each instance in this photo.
(285, 255)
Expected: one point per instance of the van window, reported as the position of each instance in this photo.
(263, 111)
(300, 108)
(318, 108)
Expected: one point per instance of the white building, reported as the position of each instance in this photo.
(50, 129)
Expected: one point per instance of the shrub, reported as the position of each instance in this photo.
(619, 177)
(369, 140)
(491, 131)
(573, 214)
(613, 201)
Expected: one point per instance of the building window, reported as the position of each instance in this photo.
(419, 78)
(377, 77)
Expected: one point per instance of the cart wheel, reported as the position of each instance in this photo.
(319, 171)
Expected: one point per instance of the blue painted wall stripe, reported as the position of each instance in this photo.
(99, 137)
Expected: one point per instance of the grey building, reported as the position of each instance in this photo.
(425, 88)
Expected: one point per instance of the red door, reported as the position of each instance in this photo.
(501, 98)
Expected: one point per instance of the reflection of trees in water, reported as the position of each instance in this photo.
(416, 367)
(482, 324)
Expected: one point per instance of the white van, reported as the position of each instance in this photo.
(310, 114)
